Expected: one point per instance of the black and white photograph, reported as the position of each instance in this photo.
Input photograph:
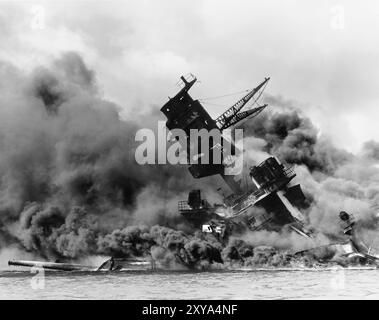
(168, 150)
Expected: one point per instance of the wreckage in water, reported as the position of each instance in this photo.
(280, 200)
(271, 200)
(271, 180)
(112, 264)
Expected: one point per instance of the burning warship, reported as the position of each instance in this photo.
(280, 201)
(272, 201)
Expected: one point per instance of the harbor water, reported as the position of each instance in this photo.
(334, 283)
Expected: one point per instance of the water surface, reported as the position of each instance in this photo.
(258, 284)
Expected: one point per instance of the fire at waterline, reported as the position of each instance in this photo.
(270, 202)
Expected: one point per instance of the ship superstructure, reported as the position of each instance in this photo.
(272, 191)
(273, 202)
(183, 112)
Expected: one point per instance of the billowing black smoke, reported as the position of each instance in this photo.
(332, 178)
(67, 163)
(70, 186)
(293, 138)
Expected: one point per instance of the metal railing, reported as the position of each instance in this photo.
(183, 206)
(258, 193)
(289, 172)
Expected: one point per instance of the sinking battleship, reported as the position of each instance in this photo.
(272, 189)
(272, 202)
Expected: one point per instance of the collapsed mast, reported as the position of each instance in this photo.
(183, 112)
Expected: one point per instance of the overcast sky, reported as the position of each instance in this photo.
(323, 56)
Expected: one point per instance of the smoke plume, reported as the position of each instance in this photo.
(67, 169)
(70, 186)
(331, 178)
